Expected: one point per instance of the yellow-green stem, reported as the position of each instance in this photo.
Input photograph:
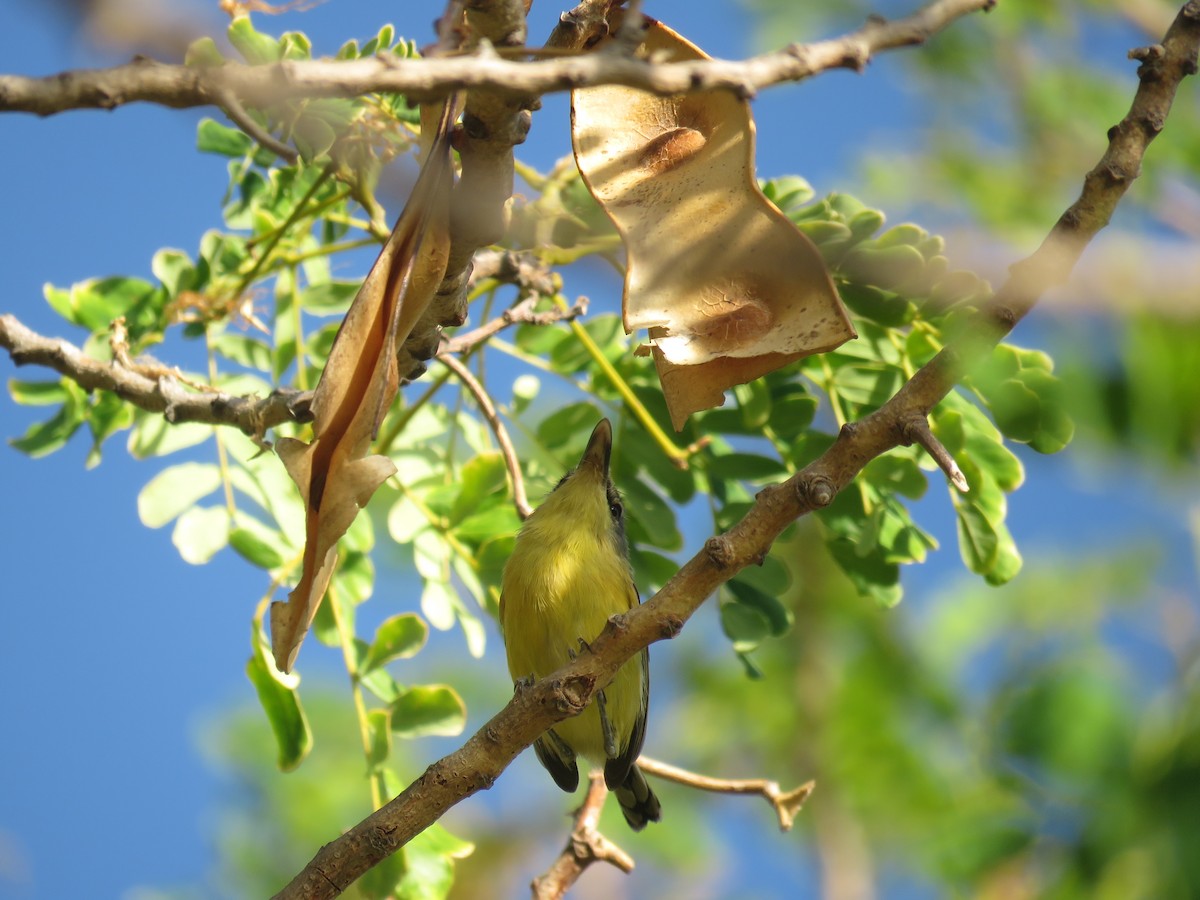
(312, 211)
(328, 250)
(384, 444)
(346, 640)
(676, 455)
(291, 220)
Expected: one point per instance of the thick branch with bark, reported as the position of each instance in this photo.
(156, 389)
(162, 394)
(492, 125)
(567, 692)
(264, 86)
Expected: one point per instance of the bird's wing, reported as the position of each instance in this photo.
(617, 768)
(558, 759)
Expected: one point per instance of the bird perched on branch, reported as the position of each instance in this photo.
(569, 572)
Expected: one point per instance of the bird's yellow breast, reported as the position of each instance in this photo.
(564, 580)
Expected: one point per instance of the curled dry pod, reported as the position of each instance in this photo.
(727, 286)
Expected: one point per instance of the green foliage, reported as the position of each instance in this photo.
(259, 296)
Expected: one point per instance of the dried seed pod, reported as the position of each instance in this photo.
(727, 286)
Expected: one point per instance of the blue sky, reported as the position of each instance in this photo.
(114, 652)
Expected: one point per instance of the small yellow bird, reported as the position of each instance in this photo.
(569, 572)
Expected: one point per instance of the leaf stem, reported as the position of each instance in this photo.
(346, 640)
(291, 220)
(678, 456)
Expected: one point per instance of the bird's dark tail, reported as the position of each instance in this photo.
(639, 805)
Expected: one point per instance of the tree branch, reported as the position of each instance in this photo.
(178, 86)
(534, 708)
(488, 410)
(585, 846)
(155, 388)
(785, 803)
(163, 394)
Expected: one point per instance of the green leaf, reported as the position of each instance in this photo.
(897, 474)
(744, 625)
(96, 302)
(880, 306)
(295, 45)
(865, 223)
(1016, 408)
(1055, 429)
(256, 48)
(38, 393)
(243, 350)
(355, 577)
(650, 519)
(313, 137)
(251, 547)
(567, 425)
(651, 570)
(778, 616)
(213, 137)
(771, 576)
(398, 637)
(1008, 560)
(791, 415)
(437, 603)
(754, 402)
(280, 701)
(152, 435)
(524, 388)
(380, 683)
(868, 385)
(977, 539)
(175, 270)
(890, 267)
(540, 340)
(746, 467)
(492, 523)
(174, 491)
(203, 52)
(379, 727)
(431, 709)
(429, 861)
(201, 532)
(43, 438)
(571, 356)
(481, 479)
(106, 415)
(871, 575)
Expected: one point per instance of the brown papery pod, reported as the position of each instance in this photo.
(728, 287)
(337, 473)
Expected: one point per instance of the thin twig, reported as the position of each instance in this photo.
(237, 113)
(534, 708)
(585, 846)
(488, 409)
(916, 430)
(785, 803)
(524, 312)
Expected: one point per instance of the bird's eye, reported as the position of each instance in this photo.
(616, 509)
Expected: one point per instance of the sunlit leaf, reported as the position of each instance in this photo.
(431, 709)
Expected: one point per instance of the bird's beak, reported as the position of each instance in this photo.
(599, 448)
